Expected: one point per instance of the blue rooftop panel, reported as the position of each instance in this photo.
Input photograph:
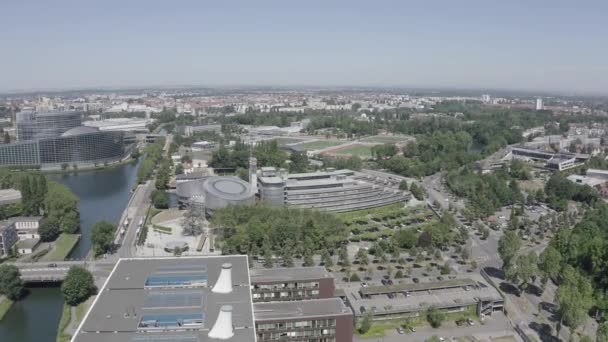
(176, 280)
(171, 321)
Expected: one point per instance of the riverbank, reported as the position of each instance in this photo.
(5, 305)
(62, 247)
(70, 319)
(107, 167)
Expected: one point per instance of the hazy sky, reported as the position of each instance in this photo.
(528, 45)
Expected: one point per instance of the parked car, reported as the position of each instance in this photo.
(400, 330)
(416, 280)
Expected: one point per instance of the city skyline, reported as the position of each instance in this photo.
(516, 46)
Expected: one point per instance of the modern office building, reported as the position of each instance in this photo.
(186, 299)
(331, 190)
(554, 161)
(81, 145)
(289, 284)
(204, 299)
(539, 104)
(8, 238)
(317, 320)
(38, 125)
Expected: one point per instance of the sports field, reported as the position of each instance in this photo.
(362, 151)
(387, 139)
(320, 144)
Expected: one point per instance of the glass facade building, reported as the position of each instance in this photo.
(39, 125)
(82, 145)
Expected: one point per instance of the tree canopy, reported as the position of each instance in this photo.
(11, 284)
(102, 237)
(78, 286)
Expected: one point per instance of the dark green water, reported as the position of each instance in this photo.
(103, 195)
(33, 319)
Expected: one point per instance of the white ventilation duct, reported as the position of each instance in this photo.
(222, 329)
(224, 281)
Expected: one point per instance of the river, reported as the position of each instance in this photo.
(103, 195)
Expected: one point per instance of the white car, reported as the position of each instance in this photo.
(441, 339)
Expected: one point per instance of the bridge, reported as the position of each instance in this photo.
(50, 272)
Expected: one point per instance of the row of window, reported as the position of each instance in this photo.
(319, 323)
(284, 294)
(290, 285)
(288, 335)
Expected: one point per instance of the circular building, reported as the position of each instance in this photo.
(225, 190)
(186, 191)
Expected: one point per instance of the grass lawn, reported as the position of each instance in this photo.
(5, 305)
(379, 329)
(386, 139)
(66, 317)
(63, 246)
(357, 150)
(321, 144)
(82, 308)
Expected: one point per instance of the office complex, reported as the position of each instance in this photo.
(200, 299)
(38, 125)
(53, 140)
(288, 284)
(331, 190)
(186, 299)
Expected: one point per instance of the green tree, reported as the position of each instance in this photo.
(403, 185)
(508, 246)
(179, 169)
(326, 259)
(102, 237)
(574, 297)
(268, 257)
(526, 268)
(343, 257)
(61, 206)
(299, 162)
(416, 191)
(550, 261)
(366, 323)
(435, 317)
(362, 256)
(308, 261)
(78, 286)
(49, 230)
(160, 199)
(11, 284)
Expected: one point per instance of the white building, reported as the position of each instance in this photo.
(539, 104)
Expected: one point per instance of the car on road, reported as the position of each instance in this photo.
(441, 339)
(400, 330)
(412, 329)
(470, 321)
(53, 265)
(364, 284)
(415, 280)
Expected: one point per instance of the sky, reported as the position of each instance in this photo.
(538, 45)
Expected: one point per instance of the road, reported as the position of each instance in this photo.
(136, 211)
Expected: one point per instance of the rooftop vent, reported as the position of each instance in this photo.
(222, 329)
(224, 281)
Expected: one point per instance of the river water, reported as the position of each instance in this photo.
(103, 195)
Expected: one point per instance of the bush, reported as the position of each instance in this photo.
(435, 317)
(49, 231)
(102, 237)
(11, 284)
(78, 286)
(365, 324)
(355, 277)
(399, 274)
(160, 198)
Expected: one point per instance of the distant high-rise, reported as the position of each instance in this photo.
(539, 104)
(39, 125)
(485, 98)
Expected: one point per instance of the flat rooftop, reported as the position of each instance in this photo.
(413, 287)
(440, 298)
(168, 299)
(9, 195)
(313, 308)
(272, 275)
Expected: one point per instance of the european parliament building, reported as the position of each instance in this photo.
(50, 140)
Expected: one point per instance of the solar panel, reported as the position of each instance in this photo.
(165, 338)
(176, 280)
(181, 299)
(168, 321)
